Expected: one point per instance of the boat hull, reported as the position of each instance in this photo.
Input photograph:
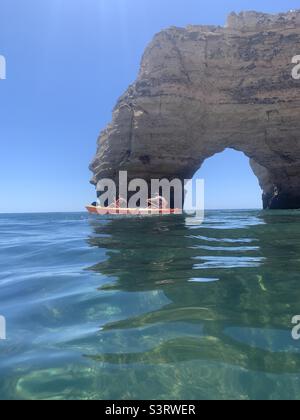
(126, 211)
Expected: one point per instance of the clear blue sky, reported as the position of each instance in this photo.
(67, 63)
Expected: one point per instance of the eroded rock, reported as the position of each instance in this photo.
(203, 89)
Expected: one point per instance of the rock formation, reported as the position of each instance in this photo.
(203, 89)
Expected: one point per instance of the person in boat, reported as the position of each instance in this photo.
(118, 203)
(121, 203)
(158, 202)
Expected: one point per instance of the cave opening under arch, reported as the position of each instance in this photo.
(230, 182)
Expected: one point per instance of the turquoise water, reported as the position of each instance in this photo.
(150, 308)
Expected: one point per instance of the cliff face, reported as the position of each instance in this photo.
(203, 89)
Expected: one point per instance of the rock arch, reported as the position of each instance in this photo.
(203, 89)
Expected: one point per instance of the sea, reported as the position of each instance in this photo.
(159, 307)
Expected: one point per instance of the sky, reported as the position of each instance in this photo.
(68, 61)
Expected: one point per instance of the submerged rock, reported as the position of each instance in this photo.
(203, 89)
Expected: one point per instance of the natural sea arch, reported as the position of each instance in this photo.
(203, 89)
(229, 182)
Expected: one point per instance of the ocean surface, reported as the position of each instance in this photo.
(150, 308)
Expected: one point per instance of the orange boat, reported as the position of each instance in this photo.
(108, 210)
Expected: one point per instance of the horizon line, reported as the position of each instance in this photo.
(83, 211)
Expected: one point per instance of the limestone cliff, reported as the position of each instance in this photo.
(202, 89)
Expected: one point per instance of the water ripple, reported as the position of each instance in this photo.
(117, 308)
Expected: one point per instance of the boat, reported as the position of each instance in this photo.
(127, 211)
